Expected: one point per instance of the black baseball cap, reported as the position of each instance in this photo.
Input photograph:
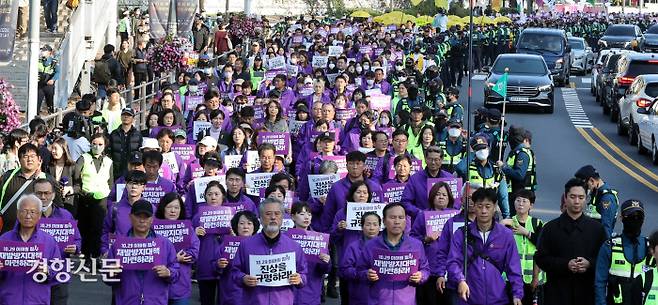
(586, 172)
(135, 158)
(142, 207)
(454, 122)
(494, 114)
(129, 111)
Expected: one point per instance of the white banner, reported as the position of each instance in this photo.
(356, 210)
(257, 181)
(320, 185)
(273, 270)
(201, 183)
(232, 161)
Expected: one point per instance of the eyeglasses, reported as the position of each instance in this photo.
(30, 156)
(28, 212)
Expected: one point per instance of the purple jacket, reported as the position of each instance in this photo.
(484, 277)
(337, 199)
(414, 197)
(146, 285)
(19, 287)
(418, 232)
(152, 191)
(61, 213)
(117, 222)
(241, 203)
(182, 287)
(354, 269)
(312, 290)
(399, 293)
(230, 292)
(384, 86)
(193, 170)
(208, 247)
(445, 241)
(325, 99)
(258, 245)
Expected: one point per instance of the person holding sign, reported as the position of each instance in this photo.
(117, 221)
(195, 169)
(413, 197)
(156, 185)
(274, 120)
(491, 252)
(448, 289)
(145, 286)
(266, 153)
(135, 162)
(324, 145)
(396, 262)
(281, 90)
(442, 202)
(205, 270)
(16, 284)
(336, 199)
(253, 268)
(171, 207)
(320, 94)
(237, 145)
(353, 265)
(311, 292)
(212, 167)
(378, 158)
(45, 190)
(243, 225)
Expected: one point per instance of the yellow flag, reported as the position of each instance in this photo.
(416, 2)
(441, 3)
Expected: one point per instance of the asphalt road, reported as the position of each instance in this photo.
(560, 148)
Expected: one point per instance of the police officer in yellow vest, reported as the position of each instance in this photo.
(480, 171)
(520, 169)
(453, 108)
(92, 181)
(650, 277)
(622, 259)
(603, 199)
(454, 146)
(48, 74)
(526, 234)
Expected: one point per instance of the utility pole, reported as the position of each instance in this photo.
(33, 71)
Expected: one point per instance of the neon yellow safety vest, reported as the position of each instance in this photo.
(531, 173)
(95, 182)
(413, 138)
(527, 251)
(255, 80)
(450, 161)
(476, 178)
(651, 297)
(450, 108)
(592, 210)
(49, 69)
(621, 269)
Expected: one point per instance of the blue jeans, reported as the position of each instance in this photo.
(50, 11)
(101, 91)
(179, 302)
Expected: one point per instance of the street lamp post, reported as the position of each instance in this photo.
(33, 60)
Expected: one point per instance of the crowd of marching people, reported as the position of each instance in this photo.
(328, 160)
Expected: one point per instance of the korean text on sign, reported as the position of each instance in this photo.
(273, 270)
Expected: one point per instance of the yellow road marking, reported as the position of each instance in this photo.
(614, 161)
(624, 155)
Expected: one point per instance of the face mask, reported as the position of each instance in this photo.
(45, 207)
(398, 68)
(97, 149)
(331, 66)
(402, 79)
(366, 67)
(44, 54)
(384, 120)
(359, 70)
(632, 227)
(482, 154)
(370, 82)
(454, 132)
(193, 88)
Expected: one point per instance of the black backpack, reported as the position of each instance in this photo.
(102, 74)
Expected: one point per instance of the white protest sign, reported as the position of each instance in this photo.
(320, 61)
(320, 185)
(120, 188)
(256, 181)
(273, 270)
(170, 158)
(232, 161)
(335, 51)
(276, 63)
(201, 183)
(253, 160)
(356, 210)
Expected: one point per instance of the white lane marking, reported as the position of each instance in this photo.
(575, 110)
(586, 80)
(546, 211)
(479, 77)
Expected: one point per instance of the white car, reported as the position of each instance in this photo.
(598, 65)
(582, 57)
(648, 130)
(640, 94)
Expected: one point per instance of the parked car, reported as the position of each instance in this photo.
(598, 66)
(640, 94)
(606, 76)
(630, 65)
(529, 82)
(552, 45)
(648, 130)
(651, 39)
(582, 55)
(623, 36)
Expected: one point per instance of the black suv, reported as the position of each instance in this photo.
(630, 65)
(622, 36)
